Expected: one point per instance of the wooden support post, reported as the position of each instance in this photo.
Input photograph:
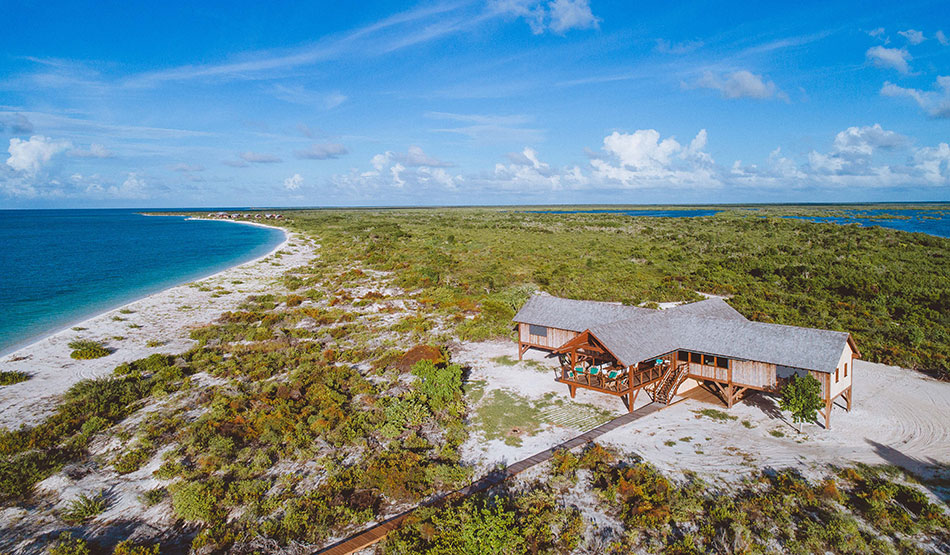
(848, 397)
(573, 390)
(827, 401)
(730, 399)
(520, 350)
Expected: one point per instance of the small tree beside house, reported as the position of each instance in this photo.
(801, 396)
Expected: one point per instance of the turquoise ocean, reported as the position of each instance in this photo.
(58, 267)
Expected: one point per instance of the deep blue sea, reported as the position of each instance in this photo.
(58, 267)
(922, 221)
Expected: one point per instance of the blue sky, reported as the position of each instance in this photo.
(125, 104)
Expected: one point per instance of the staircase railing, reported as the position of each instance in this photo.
(667, 386)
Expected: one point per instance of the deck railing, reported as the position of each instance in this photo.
(622, 383)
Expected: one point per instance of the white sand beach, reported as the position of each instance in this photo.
(158, 323)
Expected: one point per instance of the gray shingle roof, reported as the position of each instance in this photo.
(568, 314)
(713, 307)
(710, 326)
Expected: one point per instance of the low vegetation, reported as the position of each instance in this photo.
(476, 266)
(861, 510)
(333, 400)
(10, 377)
(84, 349)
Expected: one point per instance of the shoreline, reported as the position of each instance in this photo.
(159, 322)
(29, 342)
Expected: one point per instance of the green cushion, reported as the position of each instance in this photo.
(594, 370)
(613, 374)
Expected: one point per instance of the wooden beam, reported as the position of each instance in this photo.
(827, 401)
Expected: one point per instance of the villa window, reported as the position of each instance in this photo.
(722, 362)
(709, 360)
(540, 331)
(696, 358)
(836, 374)
(846, 369)
(682, 356)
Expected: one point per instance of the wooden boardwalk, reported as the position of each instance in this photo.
(376, 533)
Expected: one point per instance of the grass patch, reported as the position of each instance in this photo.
(748, 424)
(776, 433)
(10, 377)
(153, 496)
(508, 416)
(670, 442)
(84, 349)
(715, 414)
(83, 508)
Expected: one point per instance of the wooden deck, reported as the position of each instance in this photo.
(376, 533)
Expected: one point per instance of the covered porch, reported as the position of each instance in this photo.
(586, 363)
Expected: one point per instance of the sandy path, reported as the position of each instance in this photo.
(899, 417)
(165, 317)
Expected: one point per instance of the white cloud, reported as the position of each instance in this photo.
(293, 182)
(558, 16)
(259, 158)
(527, 172)
(642, 159)
(741, 84)
(933, 164)
(912, 36)
(322, 151)
(571, 14)
(894, 58)
(415, 157)
(879, 32)
(942, 38)
(852, 150)
(134, 187)
(235, 163)
(935, 103)
(863, 141)
(95, 150)
(31, 155)
(642, 149)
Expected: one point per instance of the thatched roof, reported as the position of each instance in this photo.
(710, 327)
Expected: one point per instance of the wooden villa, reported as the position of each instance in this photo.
(621, 350)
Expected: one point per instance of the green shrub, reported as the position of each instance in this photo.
(193, 501)
(84, 349)
(128, 547)
(84, 507)
(10, 377)
(153, 496)
(131, 460)
(66, 544)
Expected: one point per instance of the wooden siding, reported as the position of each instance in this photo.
(708, 372)
(555, 338)
(758, 375)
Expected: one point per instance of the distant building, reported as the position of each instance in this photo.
(619, 350)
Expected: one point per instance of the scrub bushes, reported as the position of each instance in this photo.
(84, 349)
(10, 377)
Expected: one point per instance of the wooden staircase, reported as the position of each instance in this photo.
(665, 389)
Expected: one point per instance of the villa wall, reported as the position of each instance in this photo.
(555, 337)
(843, 382)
